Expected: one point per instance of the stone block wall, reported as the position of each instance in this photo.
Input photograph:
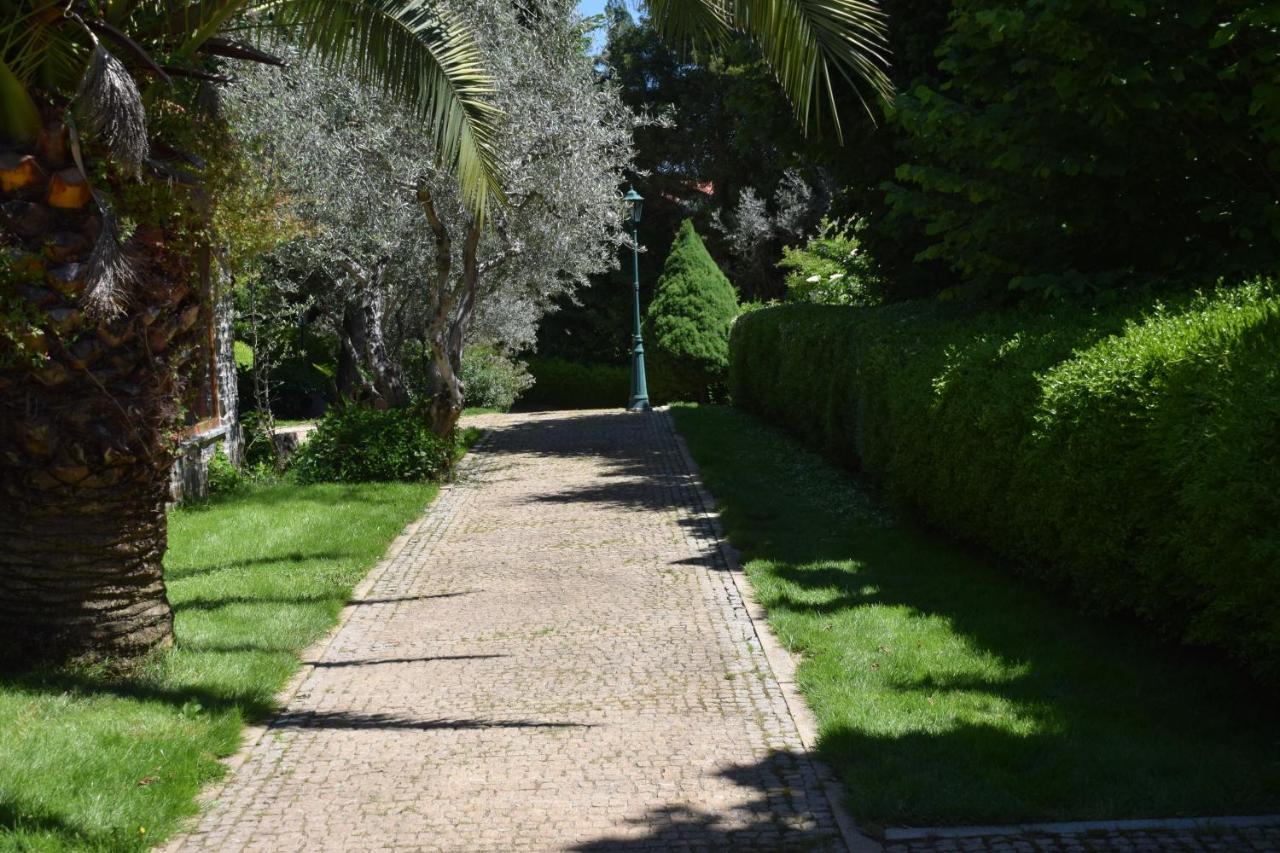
(189, 479)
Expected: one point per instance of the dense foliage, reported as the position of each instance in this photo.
(690, 316)
(394, 266)
(562, 384)
(490, 380)
(1128, 454)
(1064, 145)
(363, 445)
(832, 268)
(720, 147)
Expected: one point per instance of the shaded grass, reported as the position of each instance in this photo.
(100, 760)
(468, 436)
(948, 692)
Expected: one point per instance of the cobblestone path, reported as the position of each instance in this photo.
(557, 659)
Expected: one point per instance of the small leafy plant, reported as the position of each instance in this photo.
(832, 268)
(224, 476)
(359, 444)
(491, 380)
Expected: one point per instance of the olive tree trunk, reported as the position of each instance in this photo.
(364, 344)
(455, 306)
(443, 328)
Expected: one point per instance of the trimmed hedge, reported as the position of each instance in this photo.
(1132, 455)
(562, 384)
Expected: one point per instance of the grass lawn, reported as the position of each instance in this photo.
(950, 691)
(95, 762)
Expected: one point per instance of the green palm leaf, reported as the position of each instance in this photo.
(420, 54)
(686, 24)
(414, 50)
(807, 43)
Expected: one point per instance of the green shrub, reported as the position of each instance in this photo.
(491, 380)
(832, 268)
(360, 444)
(1130, 454)
(562, 384)
(223, 477)
(689, 318)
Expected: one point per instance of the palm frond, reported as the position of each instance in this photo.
(112, 108)
(420, 54)
(111, 273)
(41, 51)
(809, 44)
(689, 24)
(197, 22)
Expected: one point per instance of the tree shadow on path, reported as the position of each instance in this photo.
(782, 809)
(951, 690)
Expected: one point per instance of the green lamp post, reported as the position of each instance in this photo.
(639, 387)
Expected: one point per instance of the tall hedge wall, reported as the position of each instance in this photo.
(1132, 455)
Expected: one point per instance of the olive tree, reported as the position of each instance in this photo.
(412, 264)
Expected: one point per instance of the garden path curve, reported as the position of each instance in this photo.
(557, 658)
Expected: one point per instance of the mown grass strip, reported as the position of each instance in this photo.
(96, 760)
(948, 691)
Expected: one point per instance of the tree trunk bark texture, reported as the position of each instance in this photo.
(87, 417)
(352, 386)
(364, 344)
(455, 306)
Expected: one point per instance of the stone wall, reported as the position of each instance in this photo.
(189, 479)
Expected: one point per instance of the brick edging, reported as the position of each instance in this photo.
(781, 662)
(1082, 827)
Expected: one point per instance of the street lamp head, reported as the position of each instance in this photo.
(635, 204)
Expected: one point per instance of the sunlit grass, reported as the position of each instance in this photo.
(93, 760)
(949, 690)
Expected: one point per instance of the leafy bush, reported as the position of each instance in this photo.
(491, 380)
(365, 445)
(832, 268)
(562, 384)
(1129, 453)
(223, 477)
(689, 318)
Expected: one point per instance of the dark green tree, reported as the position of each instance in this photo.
(689, 320)
(1066, 145)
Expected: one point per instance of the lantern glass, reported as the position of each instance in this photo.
(635, 204)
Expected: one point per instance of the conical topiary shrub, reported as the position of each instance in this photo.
(689, 320)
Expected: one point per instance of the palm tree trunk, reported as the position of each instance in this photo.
(88, 418)
(81, 573)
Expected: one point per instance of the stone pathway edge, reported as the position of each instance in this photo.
(253, 734)
(783, 664)
(1082, 827)
(780, 660)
